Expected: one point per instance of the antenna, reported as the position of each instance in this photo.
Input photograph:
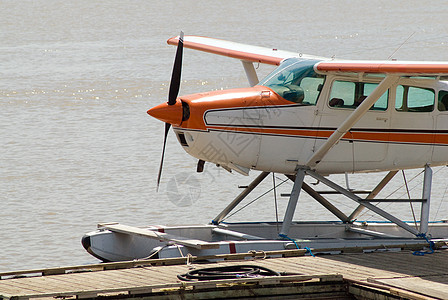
(402, 44)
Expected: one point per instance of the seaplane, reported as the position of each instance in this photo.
(310, 117)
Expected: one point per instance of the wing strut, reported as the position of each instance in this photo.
(385, 84)
(250, 72)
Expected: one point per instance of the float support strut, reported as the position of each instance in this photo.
(333, 209)
(373, 194)
(424, 217)
(293, 198)
(359, 200)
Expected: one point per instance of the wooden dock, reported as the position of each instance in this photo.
(378, 275)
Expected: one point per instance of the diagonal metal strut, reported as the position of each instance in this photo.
(240, 198)
(333, 209)
(373, 194)
(360, 201)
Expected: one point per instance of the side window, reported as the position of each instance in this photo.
(342, 94)
(414, 99)
(381, 103)
(311, 87)
(443, 101)
(347, 94)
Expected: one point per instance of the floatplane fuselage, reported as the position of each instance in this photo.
(284, 120)
(310, 116)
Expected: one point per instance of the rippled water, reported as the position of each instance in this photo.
(76, 78)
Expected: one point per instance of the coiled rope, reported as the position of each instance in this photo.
(227, 272)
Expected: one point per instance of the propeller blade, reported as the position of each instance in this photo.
(167, 128)
(177, 69)
(172, 95)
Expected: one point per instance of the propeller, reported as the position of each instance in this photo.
(172, 95)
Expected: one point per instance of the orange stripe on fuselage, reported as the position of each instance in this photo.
(260, 96)
(371, 136)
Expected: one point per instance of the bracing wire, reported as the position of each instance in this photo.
(399, 47)
(392, 193)
(409, 197)
(243, 207)
(275, 202)
(443, 198)
(401, 186)
(390, 46)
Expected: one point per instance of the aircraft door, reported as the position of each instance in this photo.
(412, 136)
(366, 142)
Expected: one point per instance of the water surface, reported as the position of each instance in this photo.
(76, 79)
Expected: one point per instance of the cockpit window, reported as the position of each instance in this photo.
(296, 81)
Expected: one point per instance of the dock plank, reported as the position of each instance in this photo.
(116, 279)
(168, 274)
(292, 266)
(153, 275)
(394, 265)
(110, 280)
(7, 288)
(141, 277)
(407, 263)
(70, 283)
(347, 268)
(427, 286)
(400, 271)
(27, 286)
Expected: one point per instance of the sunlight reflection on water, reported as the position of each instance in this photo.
(78, 77)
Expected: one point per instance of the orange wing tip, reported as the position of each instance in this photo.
(173, 41)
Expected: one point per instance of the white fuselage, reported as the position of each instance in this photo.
(278, 138)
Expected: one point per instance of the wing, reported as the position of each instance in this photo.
(239, 51)
(406, 68)
(249, 53)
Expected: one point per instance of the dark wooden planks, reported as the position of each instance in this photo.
(424, 275)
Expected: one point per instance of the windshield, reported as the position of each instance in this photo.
(296, 81)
